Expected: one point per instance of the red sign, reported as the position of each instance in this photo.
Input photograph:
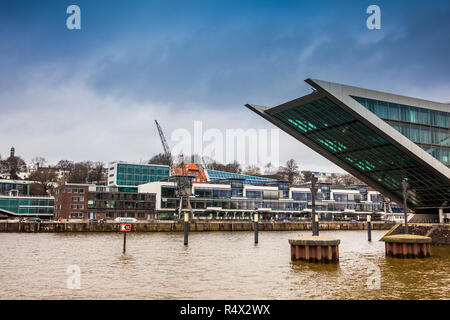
(125, 227)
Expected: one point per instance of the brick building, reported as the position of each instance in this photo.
(87, 201)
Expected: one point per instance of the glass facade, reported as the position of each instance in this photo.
(19, 187)
(331, 128)
(254, 194)
(429, 129)
(27, 205)
(215, 175)
(121, 200)
(213, 193)
(135, 174)
(299, 202)
(327, 199)
(168, 192)
(127, 189)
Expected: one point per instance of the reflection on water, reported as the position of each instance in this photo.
(215, 265)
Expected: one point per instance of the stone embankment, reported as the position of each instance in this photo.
(195, 226)
(439, 233)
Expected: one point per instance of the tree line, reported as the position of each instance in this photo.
(45, 176)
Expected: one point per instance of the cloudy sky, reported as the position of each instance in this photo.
(93, 94)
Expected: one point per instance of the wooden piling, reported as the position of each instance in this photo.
(186, 228)
(315, 249)
(407, 246)
(256, 219)
(124, 242)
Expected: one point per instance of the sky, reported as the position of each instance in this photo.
(94, 93)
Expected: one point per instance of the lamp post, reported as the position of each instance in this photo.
(405, 186)
(314, 216)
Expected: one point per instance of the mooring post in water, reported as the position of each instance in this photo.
(125, 228)
(124, 242)
(256, 227)
(315, 249)
(314, 215)
(369, 228)
(405, 186)
(186, 228)
(316, 223)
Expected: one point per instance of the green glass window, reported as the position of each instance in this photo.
(331, 128)
(425, 127)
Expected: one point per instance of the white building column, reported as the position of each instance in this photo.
(441, 215)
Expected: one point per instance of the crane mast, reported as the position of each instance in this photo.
(164, 143)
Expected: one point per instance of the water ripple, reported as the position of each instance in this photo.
(215, 265)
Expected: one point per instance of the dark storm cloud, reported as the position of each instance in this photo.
(134, 61)
(254, 57)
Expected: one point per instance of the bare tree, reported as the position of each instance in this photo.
(38, 162)
(64, 165)
(307, 176)
(215, 165)
(290, 171)
(80, 172)
(96, 173)
(206, 162)
(181, 161)
(45, 177)
(252, 170)
(36, 189)
(233, 167)
(269, 169)
(12, 166)
(161, 159)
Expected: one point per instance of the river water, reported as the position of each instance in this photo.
(215, 265)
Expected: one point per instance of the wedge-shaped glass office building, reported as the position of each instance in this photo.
(378, 137)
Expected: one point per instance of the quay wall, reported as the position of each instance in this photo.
(8, 226)
(439, 233)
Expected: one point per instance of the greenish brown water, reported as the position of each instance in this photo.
(215, 265)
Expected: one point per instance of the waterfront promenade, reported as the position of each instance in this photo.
(194, 226)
